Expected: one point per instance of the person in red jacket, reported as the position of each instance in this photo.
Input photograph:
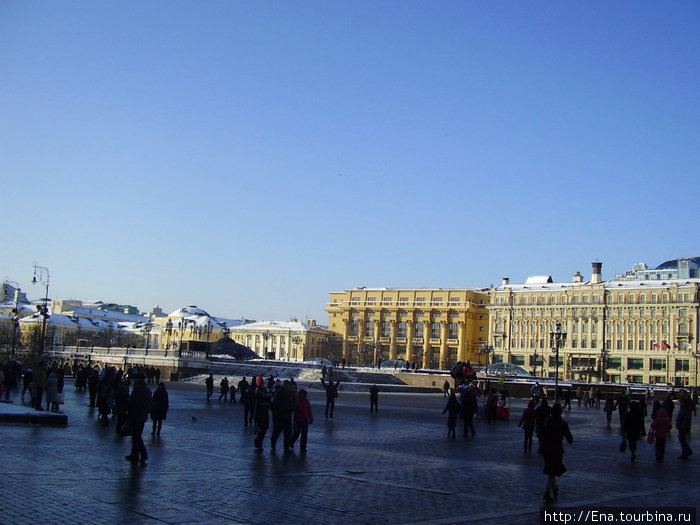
(661, 426)
(527, 422)
(302, 419)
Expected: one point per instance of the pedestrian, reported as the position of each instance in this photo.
(248, 402)
(121, 404)
(660, 427)
(223, 392)
(27, 379)
(262, 416)
(633, 428)
(159, 408)
(668, 405)
(527, 423)
(609, 408)
(622, 404)
(452, 410)
(137, 415)
(40, 378)
(93, 383)
(232, 391)
(567, 399)
(303, 417)
(491, 408)
(446, 389)
(468, 408)
(535, 391)
(373, 399)
(282, 407)
(543, 412)
(52, 392)
(209, 382)
(683, 423)
(555, 431)
(331, 394)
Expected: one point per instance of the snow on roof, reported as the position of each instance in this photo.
(274, 326)
(609, 285)
(539, 279)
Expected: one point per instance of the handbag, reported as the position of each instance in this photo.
(623, 444)
(650, 437)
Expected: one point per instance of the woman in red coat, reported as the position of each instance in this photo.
(302, 419)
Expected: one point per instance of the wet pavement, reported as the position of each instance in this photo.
(397, 466)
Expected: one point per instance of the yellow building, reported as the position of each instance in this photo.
(642, 331)
(287, 340)
(433, 328)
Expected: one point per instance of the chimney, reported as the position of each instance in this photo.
(597, 276)
(578, 278)
(505, 281)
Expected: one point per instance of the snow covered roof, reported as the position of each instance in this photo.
(188, 311)
(609, 285)
(98, 313)
(274, 326)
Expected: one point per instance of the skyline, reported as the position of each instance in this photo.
(252, 158)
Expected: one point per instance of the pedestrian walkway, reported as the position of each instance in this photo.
(397, 466)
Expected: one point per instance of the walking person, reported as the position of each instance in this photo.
(373, 399)
(209, 382)
(452, 410)
(121, 404)
(446, 389)
(303, 417)
(331, 394)
(660, 427)
(159, 408)
(262, 416)
(224, 389)
(40, 378)
(633, 428)
(468, 408)
(609, 408)
(554, 433)
(527, 422)
(52, 392)
(683, 423)
(282, 406)
(137, 415)
(543, 411)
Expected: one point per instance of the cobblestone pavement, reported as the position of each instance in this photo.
(397, 466)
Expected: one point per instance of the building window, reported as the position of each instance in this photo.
(658, 364)
(454, 330)
(435, 332)
(635, 364)
(518, 360)
(354, 328)
(682, 365)
(419, 330)
(402, 329)
(386, 329)
(369, 329)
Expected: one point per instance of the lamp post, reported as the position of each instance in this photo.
(43, 278)
(266, 336)
(169, 331)
(417, 351)
(603, 360)
(485, 350)
(15, 316)
(147, 327)
(557, 339)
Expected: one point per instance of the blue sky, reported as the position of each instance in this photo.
(251, 157)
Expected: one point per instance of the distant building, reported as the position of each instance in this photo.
(432, 327)
(641, 331)
(682, 268)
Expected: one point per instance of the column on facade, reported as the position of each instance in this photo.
(462, 351)
(360, 339)
(376, 358)
(410, 335)
(444, 355)
(346, 335)
(427, 350)
(392, 340)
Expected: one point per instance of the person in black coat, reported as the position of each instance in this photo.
(331, 394)
(159, 408)
(137, 415)
(283, 405)
(633, 427)
(262, 415)
(468, 409)
(452, 410)
(554, 432)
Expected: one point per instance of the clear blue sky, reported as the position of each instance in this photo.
(251, 157)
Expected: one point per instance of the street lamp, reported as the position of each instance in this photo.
(169, 331)
(15, 315)
(147, 327)
(603, 360)
(557, 339)
(43, 278)
(485, 349)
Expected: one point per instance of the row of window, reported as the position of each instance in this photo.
(596, 299)
(584, 313)
(535, 360)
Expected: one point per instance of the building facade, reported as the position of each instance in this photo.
(642, 331)
(433, 328)
(286, 340)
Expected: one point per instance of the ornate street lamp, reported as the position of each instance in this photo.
(43, 278)
(147, 327)
(169, 331)
(15, 316)
(485, 349)
(557, 339)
